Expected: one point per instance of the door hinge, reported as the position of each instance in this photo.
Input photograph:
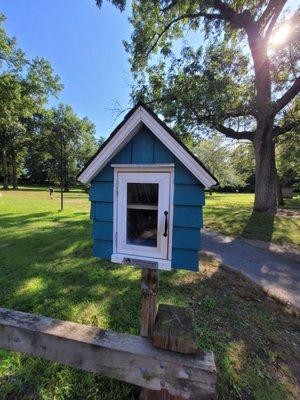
(116, 237)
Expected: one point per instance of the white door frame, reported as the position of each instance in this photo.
(144, 173)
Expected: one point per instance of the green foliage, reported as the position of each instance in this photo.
(288, 148)
(206, 85)
(10, 56)
(227, 162)
(67, 143)
(288, 156)
(120, 4)
(188, 89)
(242, 159)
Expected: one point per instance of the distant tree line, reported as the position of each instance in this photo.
(233, 163)
(37, 144)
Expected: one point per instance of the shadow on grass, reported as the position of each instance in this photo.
(10, 220)
(292, 204)
(50, 271)
(235, 217)
(232, 219)
(241, 222)
(259, 226)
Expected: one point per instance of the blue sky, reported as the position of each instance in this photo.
(84, 46)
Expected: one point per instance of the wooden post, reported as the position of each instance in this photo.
(174, 330)
(149, 289)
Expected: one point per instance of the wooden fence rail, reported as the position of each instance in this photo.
(125, 357)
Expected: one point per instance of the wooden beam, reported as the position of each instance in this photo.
(125, 357)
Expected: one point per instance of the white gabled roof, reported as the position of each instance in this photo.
(139, 115)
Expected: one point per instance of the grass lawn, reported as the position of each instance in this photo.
(231, 213)
(46, 267)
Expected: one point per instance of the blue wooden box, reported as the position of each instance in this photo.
(147, 194)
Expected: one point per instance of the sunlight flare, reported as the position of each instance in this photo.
(280, 35)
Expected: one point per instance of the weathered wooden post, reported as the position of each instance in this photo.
(174, 330)
(149, 289)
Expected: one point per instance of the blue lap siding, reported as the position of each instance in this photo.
(145, 148)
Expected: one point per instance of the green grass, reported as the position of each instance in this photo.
(46, 267)
(231, 213)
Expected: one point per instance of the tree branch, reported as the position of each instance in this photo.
(279, 130)
(230, 15)
(269, 11)
(225, 13)
(243, 113)
(180, 18)
(231, 133)
(288, 96)
(223, 8)
(277, 11)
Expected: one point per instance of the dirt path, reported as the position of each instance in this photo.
(276, 273)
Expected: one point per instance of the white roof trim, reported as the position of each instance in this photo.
(126, 133)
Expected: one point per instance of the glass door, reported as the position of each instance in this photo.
(143, 213)
(142, 210)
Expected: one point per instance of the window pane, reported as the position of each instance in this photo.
(142, 227)
(142, 193)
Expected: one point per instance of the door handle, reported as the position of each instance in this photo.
(166, 223)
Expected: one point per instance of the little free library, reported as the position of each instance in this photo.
(147, 194)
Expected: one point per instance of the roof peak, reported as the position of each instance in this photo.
(126, 130)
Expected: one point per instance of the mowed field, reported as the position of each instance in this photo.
(46, 267)
(231, 213)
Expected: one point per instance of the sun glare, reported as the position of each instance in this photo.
(280, 35)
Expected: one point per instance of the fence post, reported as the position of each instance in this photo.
(149, 289)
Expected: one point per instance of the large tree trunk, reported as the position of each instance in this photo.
(265, 174)
(4, 168)
(14, 170)
(264, 148)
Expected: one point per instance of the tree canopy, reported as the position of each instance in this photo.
(231, 163)
(67, 143)
(215, 83)
(231, 66)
